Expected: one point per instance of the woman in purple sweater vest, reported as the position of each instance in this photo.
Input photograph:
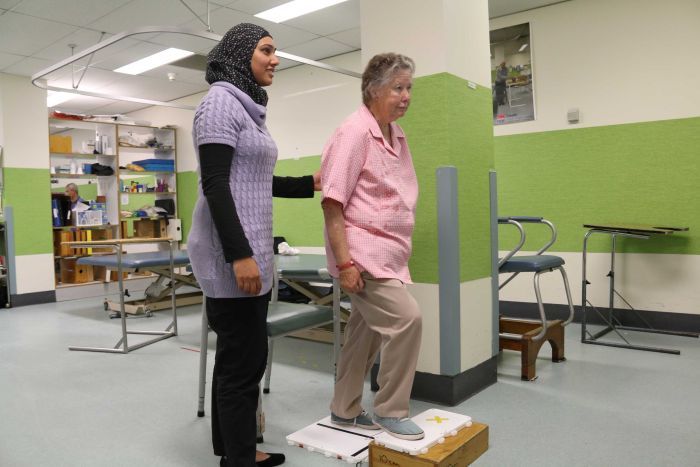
(230, 243)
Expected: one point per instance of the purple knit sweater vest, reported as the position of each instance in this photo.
(226, 115)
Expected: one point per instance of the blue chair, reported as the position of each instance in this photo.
(528, 335)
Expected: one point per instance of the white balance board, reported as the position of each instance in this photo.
(352, 444)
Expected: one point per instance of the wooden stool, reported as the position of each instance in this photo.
(529, 348)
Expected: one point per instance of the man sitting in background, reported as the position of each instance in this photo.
(72, 193)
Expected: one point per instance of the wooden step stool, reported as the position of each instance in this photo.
(529, 348)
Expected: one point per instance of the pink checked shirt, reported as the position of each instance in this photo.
(377, 186)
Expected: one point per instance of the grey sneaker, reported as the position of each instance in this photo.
(402, 428)
(361, 421)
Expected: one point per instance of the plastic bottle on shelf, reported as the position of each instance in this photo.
(98, 143)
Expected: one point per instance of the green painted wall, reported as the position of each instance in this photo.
(186, 197)
(138, 200)
(88, 191)
(641, 173)
(451, 124)
(448, 124)
(300, 221)
(29, 193)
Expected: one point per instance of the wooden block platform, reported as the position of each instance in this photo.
(456, 451)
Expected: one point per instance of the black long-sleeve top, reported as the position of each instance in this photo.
(215, 167)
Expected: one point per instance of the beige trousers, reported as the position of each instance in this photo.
(385, 317)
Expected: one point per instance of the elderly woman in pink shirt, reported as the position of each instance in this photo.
(369, 199)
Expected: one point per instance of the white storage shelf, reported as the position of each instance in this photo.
(122, 144)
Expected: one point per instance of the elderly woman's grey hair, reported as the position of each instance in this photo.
(380, 70)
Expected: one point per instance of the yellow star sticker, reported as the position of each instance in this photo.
(436, 419)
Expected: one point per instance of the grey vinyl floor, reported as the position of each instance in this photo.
(602, 407)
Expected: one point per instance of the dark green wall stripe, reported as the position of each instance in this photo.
(28, 191)
(643, 173)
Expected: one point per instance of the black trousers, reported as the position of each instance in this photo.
(240, 325)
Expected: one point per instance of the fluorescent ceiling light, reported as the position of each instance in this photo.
(295, 8)
(54, 98)
(522, 47)
(154, 61)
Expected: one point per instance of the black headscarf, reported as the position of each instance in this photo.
(230, 59)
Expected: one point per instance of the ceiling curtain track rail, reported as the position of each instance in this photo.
(39, 81)
(82, 75)
(207, 23)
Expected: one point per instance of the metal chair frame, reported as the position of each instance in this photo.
(517, 221)
(530, 334)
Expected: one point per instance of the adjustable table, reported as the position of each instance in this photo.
(612, 322)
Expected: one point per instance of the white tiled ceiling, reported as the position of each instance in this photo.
(76, 12)
(35, 34)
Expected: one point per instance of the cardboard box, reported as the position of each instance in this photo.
(457, 451)
(59, 143)
(72, 273)
(150, 228)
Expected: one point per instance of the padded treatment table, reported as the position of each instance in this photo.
(157, 262)
(120, 262)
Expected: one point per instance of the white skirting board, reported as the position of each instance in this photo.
(351, 444)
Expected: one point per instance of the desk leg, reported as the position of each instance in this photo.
(584, 284)
(173, 300)
(610, 320)
(122, 308)
(611, 276)
(123, 341)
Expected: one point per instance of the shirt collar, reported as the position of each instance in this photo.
(374, 126)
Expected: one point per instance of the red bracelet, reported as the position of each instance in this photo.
(344, 266)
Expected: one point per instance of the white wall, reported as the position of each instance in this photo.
(307, 104)
(656, 282)
(25, 124)
(461, 47)
(617, 61)
(24, 136)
